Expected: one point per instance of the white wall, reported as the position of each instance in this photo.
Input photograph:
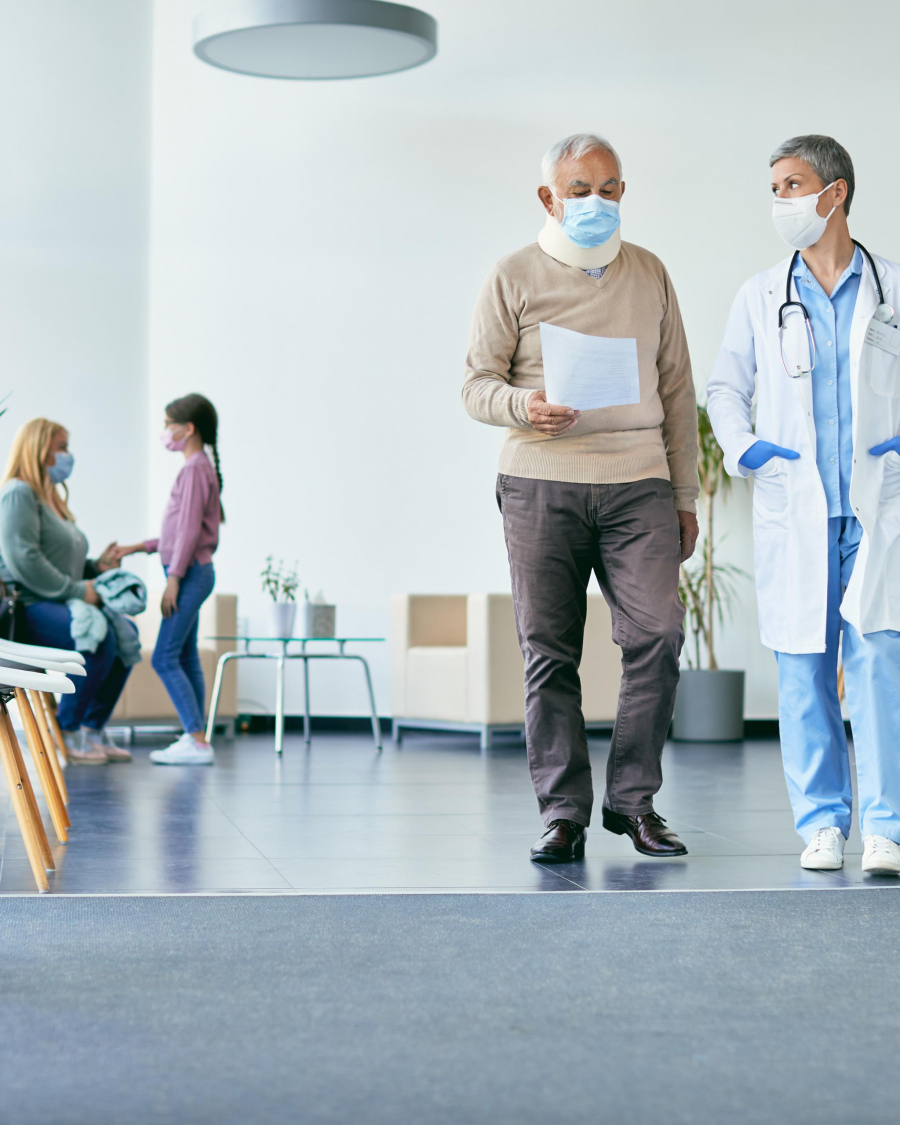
(74, 193)
(316, 249)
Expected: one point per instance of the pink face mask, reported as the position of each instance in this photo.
(176, 445)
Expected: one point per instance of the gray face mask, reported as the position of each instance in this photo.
(62, 469)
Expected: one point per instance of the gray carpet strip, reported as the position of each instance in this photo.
(451, 1010)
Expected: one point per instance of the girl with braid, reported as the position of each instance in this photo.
(187, 541)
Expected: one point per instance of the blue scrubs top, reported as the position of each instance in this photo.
(831, 318)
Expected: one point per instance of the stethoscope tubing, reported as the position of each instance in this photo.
(788, 304)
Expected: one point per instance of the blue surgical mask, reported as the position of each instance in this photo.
(590, 220)
(62, 469)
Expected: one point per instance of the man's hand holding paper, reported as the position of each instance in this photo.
(549, 419)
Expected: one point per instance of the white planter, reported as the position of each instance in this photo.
(284, 614)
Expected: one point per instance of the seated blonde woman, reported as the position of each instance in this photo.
(44, 553)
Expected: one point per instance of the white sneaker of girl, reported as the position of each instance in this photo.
(881, 856)
(185, 751)
(825, 851)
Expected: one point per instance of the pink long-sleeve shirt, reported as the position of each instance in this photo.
(190, 527)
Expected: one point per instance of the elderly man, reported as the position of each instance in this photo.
(815, 339)
(609, 489)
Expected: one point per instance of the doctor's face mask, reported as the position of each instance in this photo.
(795, 214)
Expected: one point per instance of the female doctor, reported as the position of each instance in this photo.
(817, 338)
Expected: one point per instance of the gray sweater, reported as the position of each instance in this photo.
(41, 552)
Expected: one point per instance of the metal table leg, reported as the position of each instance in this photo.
(281, 659)
(376, 724)
(279, 705)
(214, 704)
(307, 737)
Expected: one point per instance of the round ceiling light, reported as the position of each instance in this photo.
(314, 39)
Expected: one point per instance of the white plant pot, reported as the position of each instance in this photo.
(284, 614)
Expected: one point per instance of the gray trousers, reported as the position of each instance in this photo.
(628, 535)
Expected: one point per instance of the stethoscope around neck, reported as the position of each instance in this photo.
(882, 313)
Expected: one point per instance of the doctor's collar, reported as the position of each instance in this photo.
(856, 264)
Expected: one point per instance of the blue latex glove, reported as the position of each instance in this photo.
(886, 447)
(762, 451)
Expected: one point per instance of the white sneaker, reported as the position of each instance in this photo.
(184, 752)
(881, 856)
(825, 851)
(102, 740)
(83, 752)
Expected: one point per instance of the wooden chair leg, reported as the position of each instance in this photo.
(37, 706)
(50, 704)
(42, 764)
(41, 834)
(17, 779)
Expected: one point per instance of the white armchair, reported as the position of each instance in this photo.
(456, 665)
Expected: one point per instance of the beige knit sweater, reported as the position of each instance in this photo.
(654, 438)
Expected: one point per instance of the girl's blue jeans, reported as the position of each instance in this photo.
(97, 693)
(176, 659)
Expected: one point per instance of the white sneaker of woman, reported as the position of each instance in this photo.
(825, 851)
(881, 856)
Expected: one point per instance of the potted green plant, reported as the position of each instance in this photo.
(709, 706)
(281, 585)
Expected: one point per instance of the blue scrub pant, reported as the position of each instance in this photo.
(813, 742)
(176, 659)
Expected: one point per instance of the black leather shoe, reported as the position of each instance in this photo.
(648, 833)
(561, 843)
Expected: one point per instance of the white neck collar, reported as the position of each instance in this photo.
(554, 242)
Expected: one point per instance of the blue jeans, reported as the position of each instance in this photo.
(176, 659)
(97, 693)
(813, 743)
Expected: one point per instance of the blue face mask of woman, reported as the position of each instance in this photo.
(589, 220)
(62, 468)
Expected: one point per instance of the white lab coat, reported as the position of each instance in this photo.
(790, 512)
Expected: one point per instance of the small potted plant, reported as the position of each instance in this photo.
(281, 585)
(709, 706)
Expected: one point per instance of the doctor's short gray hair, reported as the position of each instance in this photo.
(577, 145)
(829, 160)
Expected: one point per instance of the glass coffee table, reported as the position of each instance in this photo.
(283, 653)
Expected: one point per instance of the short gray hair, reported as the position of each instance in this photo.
(829, 160)
(577, 145)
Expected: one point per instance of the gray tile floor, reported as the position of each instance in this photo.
(434, 815)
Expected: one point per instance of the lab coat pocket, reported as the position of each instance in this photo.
(884, 371)
(770, 500)
(890, 482)
(771, 468)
